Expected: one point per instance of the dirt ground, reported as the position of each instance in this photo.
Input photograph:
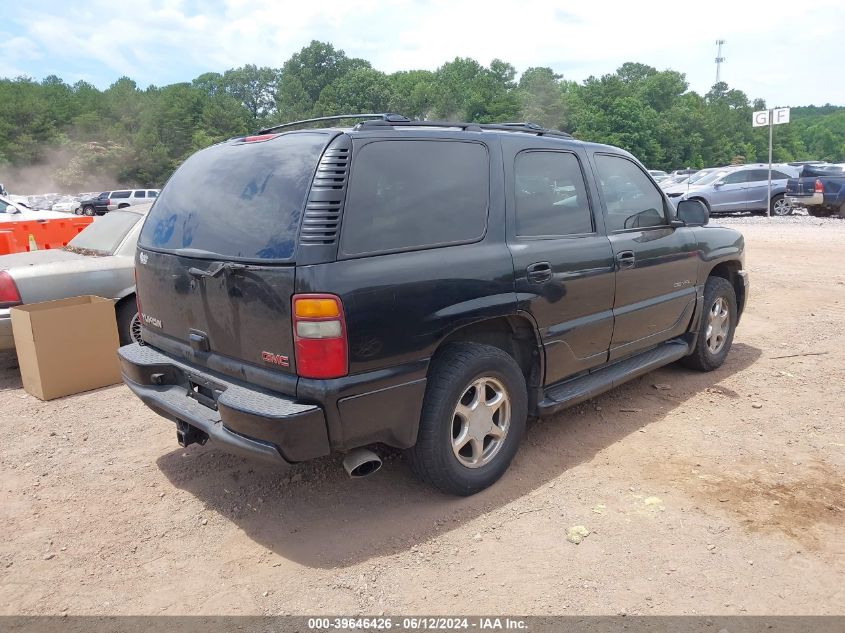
(722, 494)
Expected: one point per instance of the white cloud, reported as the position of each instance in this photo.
(774, 50)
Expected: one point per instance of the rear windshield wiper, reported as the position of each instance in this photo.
(216, 269)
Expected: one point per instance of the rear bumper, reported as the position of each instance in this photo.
(241, 419)
(805, 201)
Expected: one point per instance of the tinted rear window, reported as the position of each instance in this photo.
(237, 200)
(120, 194)
(412, 194)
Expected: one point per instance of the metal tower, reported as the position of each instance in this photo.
(719, 59)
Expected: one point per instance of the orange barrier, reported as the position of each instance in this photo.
(20, 236)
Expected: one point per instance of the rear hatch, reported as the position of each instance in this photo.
(216, 256)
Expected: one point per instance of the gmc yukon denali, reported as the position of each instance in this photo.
(426, 286)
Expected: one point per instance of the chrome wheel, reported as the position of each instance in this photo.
(718, 325)
(135, 329)
(781, 207)
(480, 423)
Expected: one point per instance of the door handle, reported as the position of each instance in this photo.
(539, 272)
(625, 259)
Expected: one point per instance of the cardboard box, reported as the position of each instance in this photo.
(66, 346)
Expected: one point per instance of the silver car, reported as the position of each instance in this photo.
(742, 188)
(99, 261)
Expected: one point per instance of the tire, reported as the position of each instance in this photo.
(454, 380)
(818, 212)
(122, 206)
(88, 210)
(128, 324)
(842, 211)
(710, 353)
(781, 206)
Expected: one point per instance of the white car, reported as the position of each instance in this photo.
(11, 211)
(130, 197)
(67, 204)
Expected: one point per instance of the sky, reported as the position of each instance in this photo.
(787, 53)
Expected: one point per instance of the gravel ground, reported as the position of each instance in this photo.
(721, 494)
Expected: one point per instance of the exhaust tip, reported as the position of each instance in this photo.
(361, 462)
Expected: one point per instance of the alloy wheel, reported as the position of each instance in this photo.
(481, 421)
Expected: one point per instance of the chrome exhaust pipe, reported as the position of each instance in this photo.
(359, 462)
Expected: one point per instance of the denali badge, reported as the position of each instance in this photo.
(143, 258)
(276, 359)
(150, 320)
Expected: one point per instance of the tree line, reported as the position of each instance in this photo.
(137, 137)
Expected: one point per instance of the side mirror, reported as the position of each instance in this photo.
(718, 184)
(693, 212)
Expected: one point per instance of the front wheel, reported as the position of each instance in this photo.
(88, 210)
(718, 323)
(473, 418)
(781, 206)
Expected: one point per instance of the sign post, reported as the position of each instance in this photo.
(772, 117)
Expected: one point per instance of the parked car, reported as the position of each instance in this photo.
(743, 188)
(658, 175)
(97, 205)
(682, 186)
(98, 261)
(820, 188)
(67, 204)
(128, 197)
(12, 210)
(424, 285)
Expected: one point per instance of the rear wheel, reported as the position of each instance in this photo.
(88, 210)
(128, 323)
(781, 206)
(473, 418)
(819, 212)
(716, 331)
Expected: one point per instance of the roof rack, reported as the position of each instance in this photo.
(525, 126)
(383, 117)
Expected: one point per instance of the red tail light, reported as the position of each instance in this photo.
(819, 188)
(259, 137)
(319, 334)
(9, 295)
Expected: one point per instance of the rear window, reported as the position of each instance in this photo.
(412, 194)
(104, 235)
(237, 200)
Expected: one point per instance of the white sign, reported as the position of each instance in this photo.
(761, 118)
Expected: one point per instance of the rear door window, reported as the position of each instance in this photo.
(409, 194)
(120, 194)
(551, 197)
(139, 194)
(237, 200)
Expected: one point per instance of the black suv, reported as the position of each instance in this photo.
(428, 286)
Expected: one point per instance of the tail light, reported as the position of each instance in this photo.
(819, 188)
(319, 334)
(108, 202)
(259, 138)
(9, 295)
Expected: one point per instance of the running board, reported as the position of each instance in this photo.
(575, 390)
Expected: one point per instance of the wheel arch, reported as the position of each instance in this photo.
(515, 335)
(729, 270)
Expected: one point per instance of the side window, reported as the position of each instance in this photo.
(139, 194)
(152, 194)
(120, 194)
(411, 194)
(738, 177)
(778, 175)
(551, 197)
(631, 198)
